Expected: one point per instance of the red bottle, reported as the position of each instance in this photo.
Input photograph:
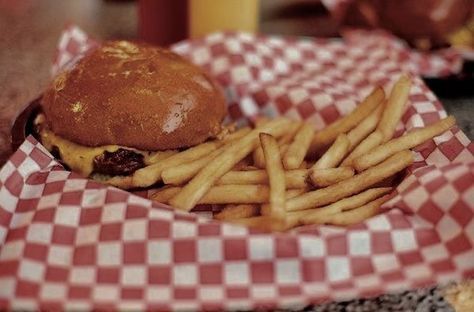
(162, 22)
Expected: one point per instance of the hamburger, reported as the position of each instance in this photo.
(425, 24)
(124, 107)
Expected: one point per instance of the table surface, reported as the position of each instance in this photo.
(29, 31)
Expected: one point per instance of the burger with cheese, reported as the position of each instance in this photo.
(126, 106)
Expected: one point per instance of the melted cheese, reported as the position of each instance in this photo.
(81, 158)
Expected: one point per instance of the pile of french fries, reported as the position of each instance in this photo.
(282, 174)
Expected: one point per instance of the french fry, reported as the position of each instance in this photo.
(409, 140)
(370, 142)
(295, 192)
(231, 212)
(265, 208)
(325, 177)
(179, 174)
(244, 166)
(334, 155)
(283, 142)
(367, 126)
(297, 150)
(350, 217)
(276, 175)
(235, 194)
(292, 130)
(123, 182)
(236, 135)
(311, 216)
(391, 115)
(151, 174)
(260, 121)
(304, 165)
(353, 185)
(293, 178)
(154, 157)
(327, 135)
(284, 148)
(225, 194)
(395, 107)
(264, 223)
(192, 192)
(258, 158)
(164, 194)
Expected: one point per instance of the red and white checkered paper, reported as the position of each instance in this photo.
(71, 243)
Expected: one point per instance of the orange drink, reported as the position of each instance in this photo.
(206, 16)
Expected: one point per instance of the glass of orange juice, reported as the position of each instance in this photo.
(206, 16)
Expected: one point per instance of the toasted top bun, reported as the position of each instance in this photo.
(137, 96)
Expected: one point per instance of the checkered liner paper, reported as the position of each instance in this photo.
(68, 242)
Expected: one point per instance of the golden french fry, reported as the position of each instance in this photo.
(258, 159)
(304, 165)
(327, 135)
(325, 177)
(235, 194)
(370, 142)
(366, 127)
(164, 194)
(154, 157)
(192, 192)
(231, 212)
(236, 135)
(334, 155)
(276, 175)
(257, 155)
(179, 174)
(353, 185)
(221, 194)
(151, 174)
(350, 217)
(284, 148)
(245, 164)
(123, 182)
(264, 223)
(311, 216)
(295, 192)
(260, 121)
(395, 107)
(297, 150)
(265, 208)
(292, 130)
(409, 140)
(293, 178)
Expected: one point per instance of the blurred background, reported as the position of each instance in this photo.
(30, 29)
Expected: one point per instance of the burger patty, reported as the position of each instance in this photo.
(120, 162)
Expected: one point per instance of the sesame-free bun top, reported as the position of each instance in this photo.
(134, 95)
